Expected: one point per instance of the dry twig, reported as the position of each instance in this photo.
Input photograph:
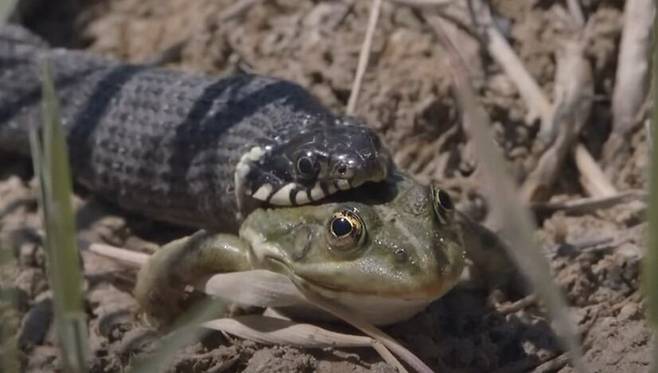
(631, 81)
(364, 56)
(576, 13)
(649, 134)
(589, 204)
(517, 226)
(129, 257)
(270, 330)
(520, 304)
(356, 321)
(573, 92)
(538, 105)
(561, 122)
(592, 177)
(423, 3)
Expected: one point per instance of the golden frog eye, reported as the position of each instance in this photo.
(345, 229)
(442, 203)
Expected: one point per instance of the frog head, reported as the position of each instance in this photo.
(386, 256)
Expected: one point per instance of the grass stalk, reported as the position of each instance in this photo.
(517, 223)
(6, 9)
(650, 270)
(51, 166)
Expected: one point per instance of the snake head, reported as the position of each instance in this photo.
(312, 164)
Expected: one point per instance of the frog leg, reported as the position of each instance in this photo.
(160, 288)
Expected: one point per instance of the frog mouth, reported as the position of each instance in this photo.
(301, 281)
(378, 309)
(422, 293)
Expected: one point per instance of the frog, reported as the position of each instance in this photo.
(384, 252)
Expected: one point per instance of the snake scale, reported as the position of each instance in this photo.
(185, 148)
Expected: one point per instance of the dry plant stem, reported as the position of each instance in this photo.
(538, 105)
(356, 321)
(650, 262)
(572, 95)
(364, 56)
(517, 226)
(128, 257)
(649, 134)
(269, 330)
(631, 80)
(520, 304)
(576, 12)
(236, 9)
(585, 245)
(592, 178)
(423, 3)
(587, 205)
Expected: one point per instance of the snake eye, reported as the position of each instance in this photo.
(345, 229)
(306, 166)
(442, 203)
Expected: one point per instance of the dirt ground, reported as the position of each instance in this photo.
(406, 96)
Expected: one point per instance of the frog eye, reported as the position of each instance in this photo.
(442, 203)
(345, 229)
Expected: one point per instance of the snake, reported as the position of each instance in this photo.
(186, 148)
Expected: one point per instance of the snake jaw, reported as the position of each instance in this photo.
(292, 194)
(311, 165)
(242, 171)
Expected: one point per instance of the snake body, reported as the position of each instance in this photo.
(180, 147)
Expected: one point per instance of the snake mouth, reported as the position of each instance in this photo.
(293, 194)
(422, 292)
(275, 176)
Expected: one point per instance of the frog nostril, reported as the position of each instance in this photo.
(401, 255)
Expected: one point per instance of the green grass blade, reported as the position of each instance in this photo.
(650, 272)
(51, 166)
(6, 8)
(517, 229)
